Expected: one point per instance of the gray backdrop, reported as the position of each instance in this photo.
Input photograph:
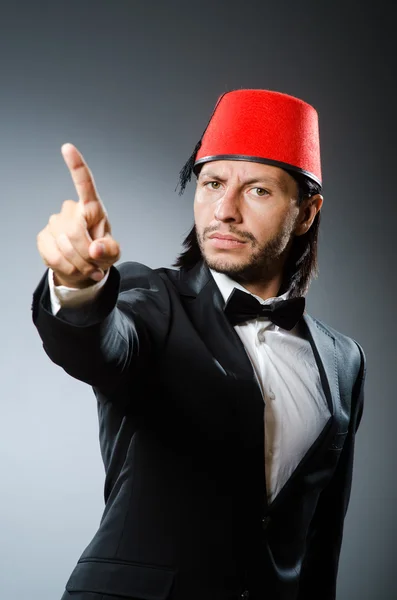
(132, 84)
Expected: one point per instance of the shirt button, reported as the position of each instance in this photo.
(265, 522)
(271, 396)
(245, 595)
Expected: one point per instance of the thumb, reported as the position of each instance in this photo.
(105, 249)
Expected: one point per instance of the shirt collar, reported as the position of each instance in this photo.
(226, 285)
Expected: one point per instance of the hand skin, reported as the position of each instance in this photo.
(77, 243)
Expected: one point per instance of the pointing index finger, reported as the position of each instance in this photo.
(81, 174)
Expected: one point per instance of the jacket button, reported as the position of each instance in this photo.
(245, 595)
(265, 522)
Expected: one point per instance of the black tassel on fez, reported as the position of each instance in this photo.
(185, 174)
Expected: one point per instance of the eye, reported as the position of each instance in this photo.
(261, 191)
(212, 184)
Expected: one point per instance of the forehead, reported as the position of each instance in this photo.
(246, 170)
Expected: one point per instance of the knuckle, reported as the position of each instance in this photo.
(88, 269)
(53, 218)
(75, 232)
(70, 270)
(68, 252)
(43, 246)
(58, 264)
(68, 204)
(55, 261)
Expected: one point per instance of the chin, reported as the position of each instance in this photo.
(226, 264)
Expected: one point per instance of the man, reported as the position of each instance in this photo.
(227, 414)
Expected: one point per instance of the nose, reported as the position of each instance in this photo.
(227, 207)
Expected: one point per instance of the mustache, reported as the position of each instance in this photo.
(243, 235)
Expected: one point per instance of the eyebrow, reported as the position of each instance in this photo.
(264, 180)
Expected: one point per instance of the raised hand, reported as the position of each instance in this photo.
(77, 243)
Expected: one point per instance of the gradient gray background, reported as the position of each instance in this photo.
(132, 84)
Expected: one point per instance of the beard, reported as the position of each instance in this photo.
(264, 263)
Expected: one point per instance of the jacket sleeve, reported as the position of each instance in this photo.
(111, 338)
(63, 296)
(320, 567)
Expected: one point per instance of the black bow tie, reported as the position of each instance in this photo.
(242, 307)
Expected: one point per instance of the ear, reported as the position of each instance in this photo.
(308, 210)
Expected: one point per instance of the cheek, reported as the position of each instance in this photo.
(261, 219)
(264, 223)
(197, 213)
(203, 213)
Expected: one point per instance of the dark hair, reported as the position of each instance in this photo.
(301, 265)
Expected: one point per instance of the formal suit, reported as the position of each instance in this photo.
(181, 432)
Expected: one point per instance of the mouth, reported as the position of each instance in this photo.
(225, 241)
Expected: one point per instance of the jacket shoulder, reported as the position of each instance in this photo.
(349, 348)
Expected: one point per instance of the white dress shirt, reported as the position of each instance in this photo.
(295, 407)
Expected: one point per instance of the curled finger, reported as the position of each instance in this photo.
(86, 268)
(52, 256)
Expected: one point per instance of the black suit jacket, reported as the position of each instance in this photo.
(182, 441)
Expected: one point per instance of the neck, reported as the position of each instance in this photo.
(263, 289)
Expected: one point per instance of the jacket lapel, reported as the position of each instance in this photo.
(324, 350)
(204, 303)
(323, 345)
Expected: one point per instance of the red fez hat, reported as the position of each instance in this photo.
(261, 126)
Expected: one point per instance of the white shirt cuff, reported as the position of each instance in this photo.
(62, 296)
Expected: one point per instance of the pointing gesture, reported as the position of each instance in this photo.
(77, 242)
(81, 174)
(90, 203)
